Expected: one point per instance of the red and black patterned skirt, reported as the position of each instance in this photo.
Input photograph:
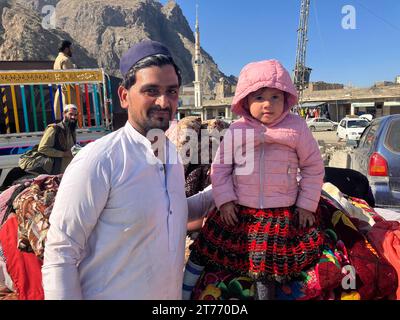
(264, 244)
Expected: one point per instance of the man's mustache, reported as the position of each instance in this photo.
(157, 108)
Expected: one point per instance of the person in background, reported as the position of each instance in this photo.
(57, 141)
(64, 62)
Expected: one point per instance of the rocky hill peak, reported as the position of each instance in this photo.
(22, 36)
(101, 31)
(175, 16)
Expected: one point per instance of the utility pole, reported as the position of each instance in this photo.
(301, 72)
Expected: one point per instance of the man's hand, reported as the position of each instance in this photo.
(305, 217)
(228, 213)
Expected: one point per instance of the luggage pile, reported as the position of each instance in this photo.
(360, 260)
(24, 214)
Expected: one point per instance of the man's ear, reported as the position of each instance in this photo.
(123, 97)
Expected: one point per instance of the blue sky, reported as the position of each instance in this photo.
(235, 32)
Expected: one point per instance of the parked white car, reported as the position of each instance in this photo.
(321, 124)
(351, 128)
(367, 116)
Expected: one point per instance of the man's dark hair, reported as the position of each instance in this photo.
(64, 45)
(157, 60)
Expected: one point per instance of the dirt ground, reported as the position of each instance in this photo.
(329, 137)
(334, 153)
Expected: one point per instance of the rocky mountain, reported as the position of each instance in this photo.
(101, 31)
(22, 36)
(37, 5)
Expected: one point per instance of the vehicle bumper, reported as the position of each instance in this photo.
(354, 137)
(384, 196)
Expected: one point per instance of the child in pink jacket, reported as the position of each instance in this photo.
(265, 227)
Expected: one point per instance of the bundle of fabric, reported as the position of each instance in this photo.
(23, 268)
(211, 134)
(351, 183)
(198, 179)
(5, 279)
(388, 214)
(362, 261)
(6, 294)
(353, 207)
(185, 135)
(363, 256)
(375, 277)
(7, 198)
(32, 209)
(197, 142)
(318, 282)
(356, 264)
(22, 236)
(223, 285)
(385, 237)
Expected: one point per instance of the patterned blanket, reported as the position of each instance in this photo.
(32, 208)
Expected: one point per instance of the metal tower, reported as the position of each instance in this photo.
(301, 72)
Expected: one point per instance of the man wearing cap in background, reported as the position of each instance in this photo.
(64, 62)
(118, 226)
(57, 141)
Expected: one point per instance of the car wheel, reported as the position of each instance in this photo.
(338, 138)
(334, 128)
(312, 128)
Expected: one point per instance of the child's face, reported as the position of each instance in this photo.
(266, 104)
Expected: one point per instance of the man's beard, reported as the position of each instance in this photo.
(71, 124)
(154, 122)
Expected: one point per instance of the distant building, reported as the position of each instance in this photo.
(383, 83)
(381, 99)
(223, 89)
(320, 85)
(186, 106)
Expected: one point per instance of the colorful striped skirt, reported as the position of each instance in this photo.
(266, 244)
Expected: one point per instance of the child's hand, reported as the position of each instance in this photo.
(228, 213)
(305, 217)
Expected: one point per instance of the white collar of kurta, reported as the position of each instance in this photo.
(139, 138)
(136, 136)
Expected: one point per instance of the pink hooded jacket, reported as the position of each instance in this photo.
(265, 175)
